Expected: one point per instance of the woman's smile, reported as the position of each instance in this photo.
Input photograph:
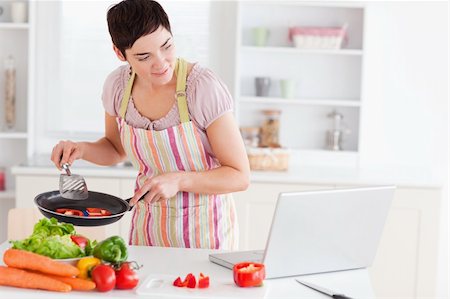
(161, 73)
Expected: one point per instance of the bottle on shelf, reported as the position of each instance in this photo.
(10, 92)
(2, 179)
(335, 136)
(270, 129)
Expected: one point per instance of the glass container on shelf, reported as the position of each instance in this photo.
(250, 136)
(2, 179)
(335, 136)
(270, 129)
(10, 92)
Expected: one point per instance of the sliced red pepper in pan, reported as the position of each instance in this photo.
(70, 212)
(96, 212)
(203, 281)
(249, 274)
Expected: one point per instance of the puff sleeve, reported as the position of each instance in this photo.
(210, 99)
(113, 91)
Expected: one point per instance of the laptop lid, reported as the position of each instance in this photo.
(321, 231)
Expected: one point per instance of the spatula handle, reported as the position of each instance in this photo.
(65, 166)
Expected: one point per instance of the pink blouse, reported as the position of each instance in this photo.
(207, 97)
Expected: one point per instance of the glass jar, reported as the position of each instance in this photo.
(250, 136)
(10, 92)
(270, 129)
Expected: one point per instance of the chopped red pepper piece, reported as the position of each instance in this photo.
(249, 274)
(203, 281)
(178, 282)
(79, 240)
(70, 212)
(191, 282)
(95, 212)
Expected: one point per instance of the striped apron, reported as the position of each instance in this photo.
(188, 220)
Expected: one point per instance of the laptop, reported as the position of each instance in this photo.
(320, 231)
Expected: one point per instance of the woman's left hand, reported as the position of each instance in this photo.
(160, 187)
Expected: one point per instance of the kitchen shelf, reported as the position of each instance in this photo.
(13, 135)
(14, 25)
(324, 80)
(292, 50)
(17, 40)
(310, 101)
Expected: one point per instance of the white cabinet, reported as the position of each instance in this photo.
(15, 41)
(406, 262)
(324, 79)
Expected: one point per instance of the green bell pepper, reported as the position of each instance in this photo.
(113, 250)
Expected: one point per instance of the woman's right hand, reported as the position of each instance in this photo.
(66, 152)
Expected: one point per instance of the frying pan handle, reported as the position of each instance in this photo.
(142, 197)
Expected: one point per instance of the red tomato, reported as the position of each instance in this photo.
(79, 240)
(203, 281)
(249, 274)
(104, 277)
(126, 277)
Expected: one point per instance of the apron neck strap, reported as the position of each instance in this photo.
(126, 96)
(181, 71)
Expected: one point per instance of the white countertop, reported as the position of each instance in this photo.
(174, 262)
(301, 174)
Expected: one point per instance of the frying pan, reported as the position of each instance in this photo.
(48, 202)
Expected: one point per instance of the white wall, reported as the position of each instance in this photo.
(405, 112)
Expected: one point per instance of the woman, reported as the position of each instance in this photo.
(174, 121)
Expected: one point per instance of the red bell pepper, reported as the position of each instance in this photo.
(203, 281)
(178, 282)
(71, 212)
(95, 212)
(79, 240)
(249, 274)
(189, 282)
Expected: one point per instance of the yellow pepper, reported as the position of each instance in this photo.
(85, 265)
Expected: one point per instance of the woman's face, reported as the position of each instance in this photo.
(152, 57)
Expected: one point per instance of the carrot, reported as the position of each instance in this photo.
(77, 284)
(22, 279)
(32, 261)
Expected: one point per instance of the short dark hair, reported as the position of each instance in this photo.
(129, 20)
